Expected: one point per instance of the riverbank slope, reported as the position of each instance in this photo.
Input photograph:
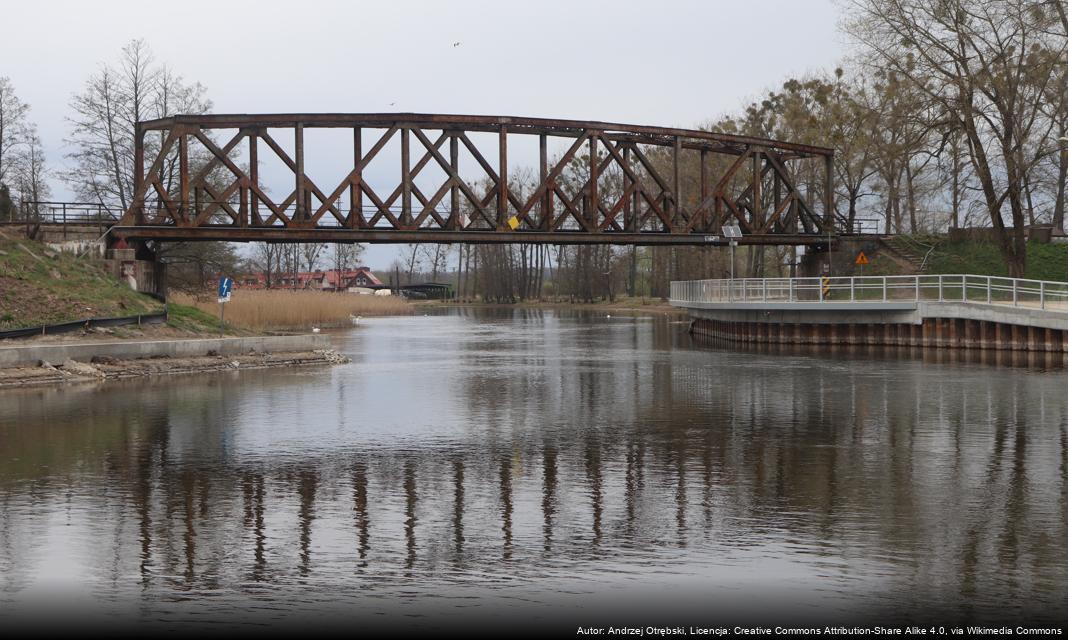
(40, 286)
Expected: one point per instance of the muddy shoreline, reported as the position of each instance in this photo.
(103, 368)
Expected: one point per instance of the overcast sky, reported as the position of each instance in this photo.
(654, 63)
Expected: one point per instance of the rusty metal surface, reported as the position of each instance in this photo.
(633, 190)
(484, 236)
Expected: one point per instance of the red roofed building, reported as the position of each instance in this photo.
(331, 280)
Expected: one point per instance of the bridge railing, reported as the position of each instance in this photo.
(969, 289)
(65, 212)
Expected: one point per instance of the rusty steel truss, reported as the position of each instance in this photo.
(632, 188)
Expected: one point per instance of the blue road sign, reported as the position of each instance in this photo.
(225, 285)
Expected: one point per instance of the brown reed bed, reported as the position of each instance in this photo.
(281, 309)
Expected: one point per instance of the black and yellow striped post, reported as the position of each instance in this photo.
(825, 287)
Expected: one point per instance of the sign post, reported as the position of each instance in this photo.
(226, 285)
(732, 232)
(861, 261)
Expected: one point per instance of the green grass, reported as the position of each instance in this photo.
(57, 287)
(1044, 261)
(180, 316)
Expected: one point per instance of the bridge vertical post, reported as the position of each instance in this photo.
(776, 191)
(676, 186)
(454, 191)
(298, 138)
(884, 288)
(183, 175)
(852, 289)
(704, 185)
(254, 175)
(1042, 295)
(243, 206)
(546, 204)
(591, 219)
(988, 289)
(355, 218)
(406, 178)
(791, 298)
(941, 298)
(502, 185)
(635, 205)
(758, 206)
(828, 194)
(1015, 295)
(627, 221)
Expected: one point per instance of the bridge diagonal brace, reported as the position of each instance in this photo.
(455, 179)
(490, 172)
(308, 184)
(784, 175)
(356, 171)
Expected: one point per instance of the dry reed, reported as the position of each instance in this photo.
(280, 309)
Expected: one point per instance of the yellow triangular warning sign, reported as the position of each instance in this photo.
(861, 258)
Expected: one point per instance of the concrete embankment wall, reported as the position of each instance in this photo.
(56, 353)
(928, 332)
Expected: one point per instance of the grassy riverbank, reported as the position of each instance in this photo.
(39, 286)
(1044, 261)
(277, 309)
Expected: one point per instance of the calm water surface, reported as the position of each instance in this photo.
(540, 466)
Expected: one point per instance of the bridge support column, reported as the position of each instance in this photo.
(137, 265)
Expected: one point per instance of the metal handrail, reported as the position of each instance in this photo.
(963, 288)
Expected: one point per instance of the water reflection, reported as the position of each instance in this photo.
(533, 458)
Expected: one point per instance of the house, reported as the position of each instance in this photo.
(330, 280)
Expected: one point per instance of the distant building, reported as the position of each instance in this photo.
(330, 280)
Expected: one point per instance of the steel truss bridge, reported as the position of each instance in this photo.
(638, 184)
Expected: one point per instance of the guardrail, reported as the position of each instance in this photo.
(47, 212)
(970, 289)
(85, 323)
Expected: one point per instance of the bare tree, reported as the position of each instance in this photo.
(267, 259)
(985, 67)
(33, 173)
(14, 128)
(435, 257)
(106, 111)
(311, 254)
(410, 260)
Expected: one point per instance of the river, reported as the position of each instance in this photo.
(540, 467)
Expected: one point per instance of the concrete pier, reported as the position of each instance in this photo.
(961, 312)
(26, 354)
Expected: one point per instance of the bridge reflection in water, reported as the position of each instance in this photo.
(544, 459)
